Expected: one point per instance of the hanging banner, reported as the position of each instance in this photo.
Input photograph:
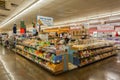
(47, 21)
(22, 27)
(22, 24)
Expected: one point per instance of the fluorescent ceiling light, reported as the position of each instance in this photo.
(94, 17)
(20, 14)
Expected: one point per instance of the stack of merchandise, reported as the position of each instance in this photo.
(89, 53)
(81, 33)
(56, 57)
(41, 52)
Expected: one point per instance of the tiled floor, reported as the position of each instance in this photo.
(15, 67)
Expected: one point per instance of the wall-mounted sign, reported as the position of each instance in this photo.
(75, 27)
(105, 28)
(47, 21)
(117, 29)
(86, 25)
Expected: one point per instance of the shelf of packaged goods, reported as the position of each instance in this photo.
(40, 57)
(91, 48)
(42, 65)
(101, 47)
(14, 50)
(81, 35)
(27, 46)
(98, 60)
(23, 55)
(95, 54)
(94, 48)
(19, 48)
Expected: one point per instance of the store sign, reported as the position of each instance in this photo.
(117, 29)
(105, 27)
(93, 29)
(47, 21)
(86, 25)
(74, 27)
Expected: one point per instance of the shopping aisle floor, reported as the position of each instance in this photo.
(15, 67)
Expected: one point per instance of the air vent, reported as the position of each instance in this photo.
(2, 15)
(2, 5)
(14, 5)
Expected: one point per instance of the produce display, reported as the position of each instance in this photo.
(48, 56)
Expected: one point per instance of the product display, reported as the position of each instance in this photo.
(46, 55)
(89, 53)
(57, 57)
(79, 33)
(59, 39)
(60, 54)
(116, 40)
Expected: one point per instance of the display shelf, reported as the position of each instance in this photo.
(45, 49)
(71, 66)
(54, 58)
(13, 50)
(27, 45)
(42, 65)
(96, 54)
(91, 52)
(53, 63)
(97, 60)
(91, 48)
(42, 58)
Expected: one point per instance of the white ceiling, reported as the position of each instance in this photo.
(62, 10)
(10, 8)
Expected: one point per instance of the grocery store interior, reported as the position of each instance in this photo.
(59, 39)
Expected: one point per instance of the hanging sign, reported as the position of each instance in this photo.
(22, 24)
(47, 21)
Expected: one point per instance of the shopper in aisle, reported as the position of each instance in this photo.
(116, 35)
(56, 34)
(69, 36)
(7, 42)
(15, 29)
(61, 35)
(66, 38)
(14, 42)
(35, 32)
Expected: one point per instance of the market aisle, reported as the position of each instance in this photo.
(15, 67)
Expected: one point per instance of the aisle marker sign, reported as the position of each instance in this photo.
(47, 21)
